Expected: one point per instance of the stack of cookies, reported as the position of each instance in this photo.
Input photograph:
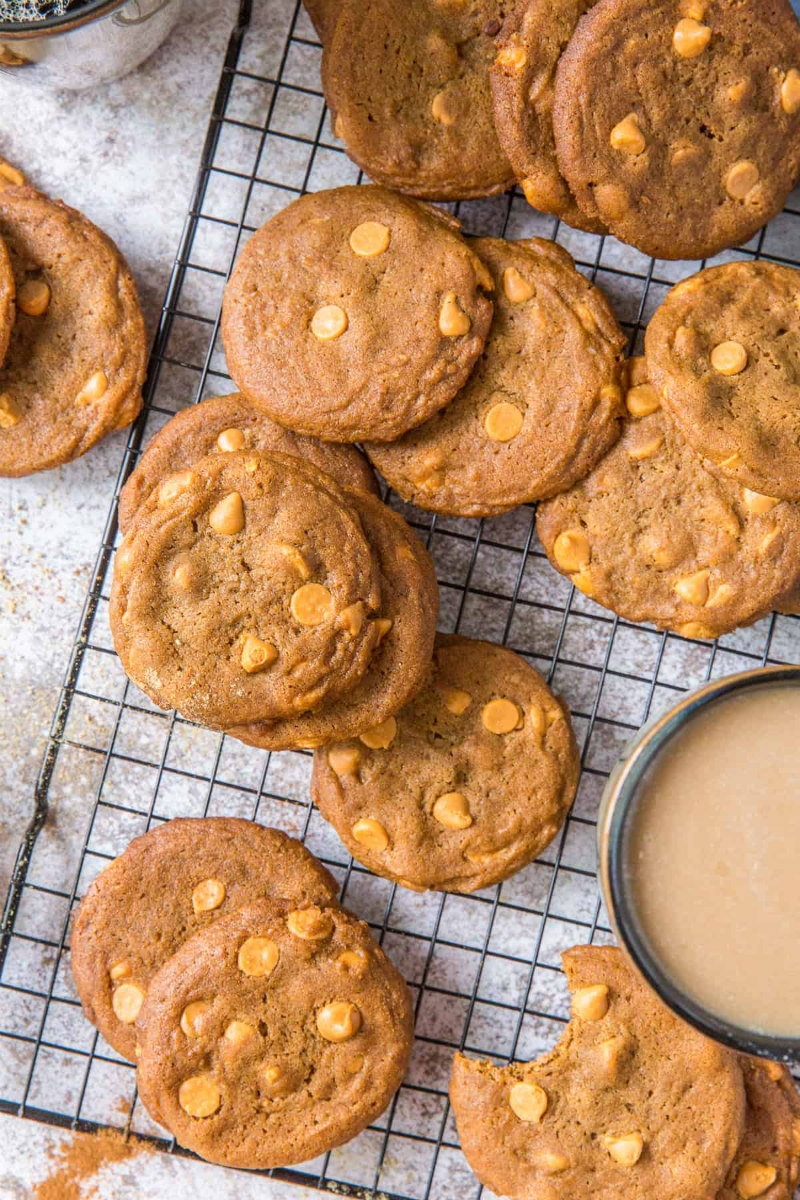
(266, 1023)
(72, 339)
(631, 1103)
(673, 124)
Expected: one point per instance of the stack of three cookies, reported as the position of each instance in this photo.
(266, 1023)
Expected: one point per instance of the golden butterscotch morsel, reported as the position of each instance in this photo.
(551, 1162)
(383, 626)
(528, 1102)
(256, 655)
(120, 970)
(732, 461)
(10, 411)
(585, 582)
(258, 956)
(645, 448)
(456, 700)
(790, 92)
(453, 321)
(729, 358)
(227, 517)
(352, 618)
(208, 895)
(311, 604)
(610, 1053)
(452, 811)
(444, 108)
(95, 388)
(370, 833)
(571, 550)
(757, 503)
(693, 588)
(585, 316)
(126, 1001)
(10, 176)
(696, 629)
(380, 737)
(192, 1016)
(741, 179)
(174, 486)
(275, 1080)
(238, 1032)
(501, 715)
(352, 962)
(754, 1178)
(295, 560)
(503, 421)
(517, 288)
(329, 322)
(230, 440)
(626, 1149)
(690, 38)
(512, 57)
(339, 1021)
(370, 238)
(199, 1096)
(642, 400)
(33, 298)
(627, 136)
(310, 924)
(344, 760)
(182, 576)
(590, 1003)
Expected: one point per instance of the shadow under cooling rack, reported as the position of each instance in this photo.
(484, 969)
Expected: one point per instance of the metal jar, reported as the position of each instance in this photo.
(100, 41)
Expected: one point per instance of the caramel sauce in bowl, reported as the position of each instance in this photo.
(699, 840)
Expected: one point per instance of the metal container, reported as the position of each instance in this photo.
(100, 41)
(614, 825)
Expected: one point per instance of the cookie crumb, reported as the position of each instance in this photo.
(79, 1159)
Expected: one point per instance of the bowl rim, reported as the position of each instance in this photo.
(616, 805)
(90, 10)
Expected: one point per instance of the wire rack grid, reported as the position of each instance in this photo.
(484, 969)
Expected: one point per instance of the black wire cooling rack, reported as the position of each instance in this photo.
(484, 969)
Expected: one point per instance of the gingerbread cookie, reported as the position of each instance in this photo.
(723, 348)
(677, 124)
(7, 293)
(223, 424)
(516, 432)
(655, 537)
(409, 89)
(168, 884)
(355, 313)
(631, 1103)
(766, 1163)
(273, 1036)
(534, 36)
(75, 363)
(245, 590)
(409, 609)
(466, 785)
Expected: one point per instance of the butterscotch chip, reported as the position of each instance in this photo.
(572, 550)
(33, 298)
(610, 1053)
(227, 517)
(380, 737)
(637, 1134)
(352, 960)
(10, 411)
(175, 486)
(694, 588)
(503, 421)
(690, 38)
(126, 1001)
(444, 107)
(120, 970)
(627, 136)
(199, 1096)
(192, 1016)
(512, 57)
(591, 1003)
(517, 288)
(453, 321)
(344, 760)
(754, 502)
(11, 175)
(729, 358)
(370, 238)
(310, 924)
(312, 604)
(258, 956)
(257, 655)
(451, 803)
(208, 895)
(790, 92)
(352, 618)
(642, 400)
(338, 1022)
(95, 387)
(741, 179)
(230, 440)
(237, 1033)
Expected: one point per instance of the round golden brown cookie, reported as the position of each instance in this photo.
(168, 884)
(224, 424)
(466, 785)
(355, 313)
(245, 590)
(724, 349)
(631, 1103)
(7, 294)
(677, 123)
(409, 89)
(76, 358)
(766, 1163)
(273, 1036)
(399, 664)
(653, 536)
(534, 36)
(542, 405)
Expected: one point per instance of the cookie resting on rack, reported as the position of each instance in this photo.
(466, 785)
(222, 424)
(245, 590)
(543, 404)
(274, 1035)
(630, 1104)
(355, 313)
(677, 125)
(75, 363)
(401, 660)
(654, 536)
(766, 1162)
(165, 886)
